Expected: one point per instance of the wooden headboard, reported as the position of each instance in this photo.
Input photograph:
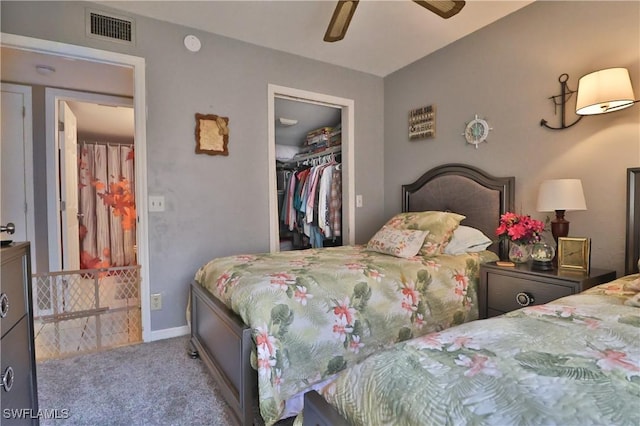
(632, 252)
(466, 190)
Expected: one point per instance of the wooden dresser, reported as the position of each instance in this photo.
(18, 387)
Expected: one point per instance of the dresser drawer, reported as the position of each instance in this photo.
(15, 354)
(13, 289)
(503, 291)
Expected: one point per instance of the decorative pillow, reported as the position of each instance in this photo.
(439, 224)
(633, 285)
(467, 240)
(633, 301)
(397, 242)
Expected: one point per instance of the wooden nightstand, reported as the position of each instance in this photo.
(503, 289)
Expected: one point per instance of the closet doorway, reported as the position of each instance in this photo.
(310, 130)
(309, 172)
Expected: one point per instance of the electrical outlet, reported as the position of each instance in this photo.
(156, 302)
(156, 203)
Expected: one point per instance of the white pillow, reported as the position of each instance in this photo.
(397, 242)
(467, 240)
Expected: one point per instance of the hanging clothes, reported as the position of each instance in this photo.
(311, 200)
(335, 203)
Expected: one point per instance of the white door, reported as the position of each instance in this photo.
(16, 156)
(68, 139)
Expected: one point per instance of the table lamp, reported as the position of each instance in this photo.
(560, 195)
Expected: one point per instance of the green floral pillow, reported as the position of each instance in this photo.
(397, 242)
(439, 224)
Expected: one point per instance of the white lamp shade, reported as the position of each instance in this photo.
(604, 91)
(561, 194)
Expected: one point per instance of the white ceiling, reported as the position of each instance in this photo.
(383, 37)
(308, 116)
(113, 123)
(19, 66)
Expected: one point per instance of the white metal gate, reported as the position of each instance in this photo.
(86, 310)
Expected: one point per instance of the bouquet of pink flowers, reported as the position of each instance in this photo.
(521, 229)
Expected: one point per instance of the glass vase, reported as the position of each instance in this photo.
(519, 253)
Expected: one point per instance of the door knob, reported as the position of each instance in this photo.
(10, 228)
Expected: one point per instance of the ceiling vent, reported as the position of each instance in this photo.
(110, 27)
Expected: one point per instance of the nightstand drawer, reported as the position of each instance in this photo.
(499, 286)
(503, 291)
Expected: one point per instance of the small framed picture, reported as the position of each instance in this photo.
(574, 254)
(212, 134)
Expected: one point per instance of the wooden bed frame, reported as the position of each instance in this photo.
(223, 341)
(318, 412)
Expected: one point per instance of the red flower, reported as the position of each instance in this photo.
(519, 228)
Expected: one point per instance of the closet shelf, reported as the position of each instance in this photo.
(300, 158)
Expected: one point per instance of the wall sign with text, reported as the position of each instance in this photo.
(422, 122)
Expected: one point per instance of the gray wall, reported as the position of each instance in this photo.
(506, 72)
(214, 205)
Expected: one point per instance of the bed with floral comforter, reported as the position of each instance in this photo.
(575, 361)
(315, 312)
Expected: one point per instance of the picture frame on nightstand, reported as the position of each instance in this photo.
(574, 254)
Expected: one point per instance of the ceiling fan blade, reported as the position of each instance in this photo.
(443, 8)
(340, 20)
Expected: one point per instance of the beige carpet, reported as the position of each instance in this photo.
(153, 383)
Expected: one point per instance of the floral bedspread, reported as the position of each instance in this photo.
(575, 361)
(315, 312)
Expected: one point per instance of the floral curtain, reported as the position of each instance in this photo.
(106, 205)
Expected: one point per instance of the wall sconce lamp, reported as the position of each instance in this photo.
(560, 195)
(599, 92)
(604, 91)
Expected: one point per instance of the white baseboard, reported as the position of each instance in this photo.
(168, 333)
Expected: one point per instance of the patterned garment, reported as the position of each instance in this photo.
(315, 312)
(335, 203)
(575, 361)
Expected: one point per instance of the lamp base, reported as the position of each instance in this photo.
(559, 228)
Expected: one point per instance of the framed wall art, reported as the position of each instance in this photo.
(422, 122)
(212, 134)
(574, 253)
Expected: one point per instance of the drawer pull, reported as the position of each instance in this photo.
(4, 305)
(7, 379)
(524, 299)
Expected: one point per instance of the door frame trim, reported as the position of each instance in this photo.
(140, 142)
(28, 160)
(348, 172)
(52, 97)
